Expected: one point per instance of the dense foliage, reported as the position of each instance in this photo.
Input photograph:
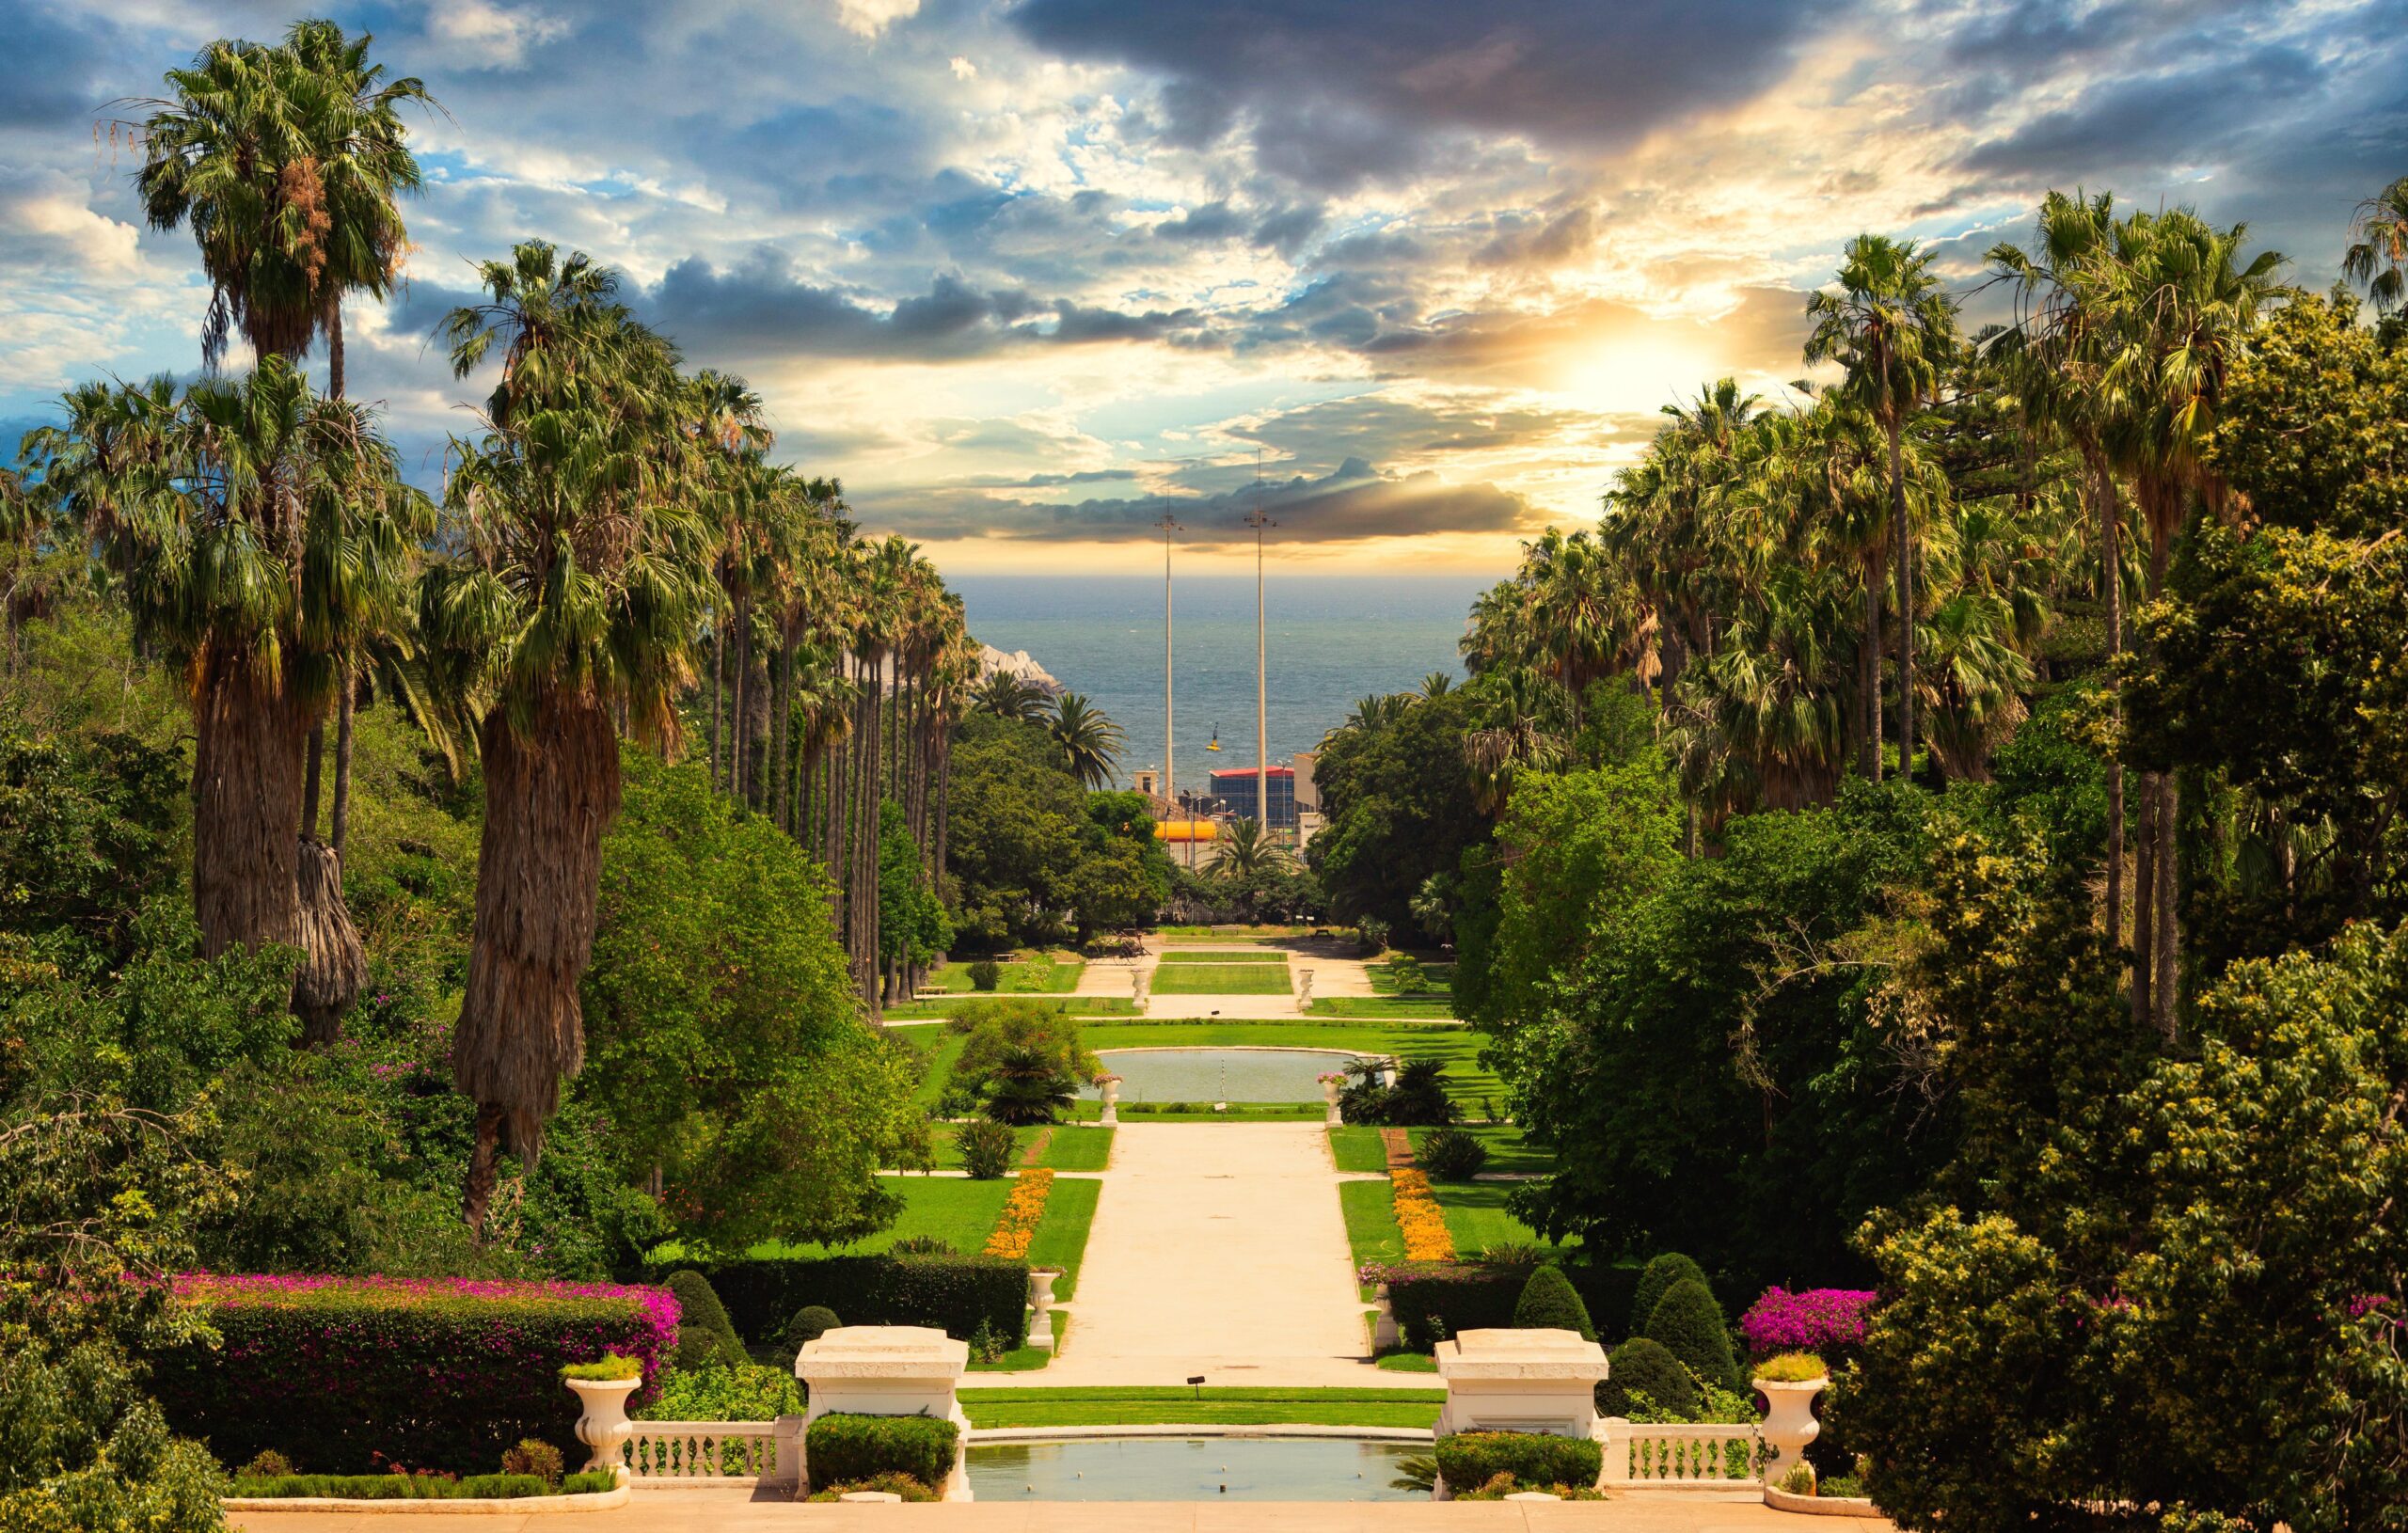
(841, 1448)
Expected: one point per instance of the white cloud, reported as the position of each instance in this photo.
(868, 18)
(486, 36)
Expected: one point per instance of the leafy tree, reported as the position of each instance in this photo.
(721, 1016)
(1398, 804)
(1023, 1050)
(911, 924)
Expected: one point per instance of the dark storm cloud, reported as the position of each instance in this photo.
(2191, 117)
(1382, 427)
(1336, 94)
(1353, 500)
(52, 72)
(758, 309)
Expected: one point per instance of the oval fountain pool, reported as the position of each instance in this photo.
(1190, 1469)
(1220, 1075)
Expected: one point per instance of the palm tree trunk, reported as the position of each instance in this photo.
(334, 347)
(1902, 550)
(246, 781)
(2144, 903)
(718, 682)
(1869, 677)
(340, 832)
(2167, 991)
(309, 780)
(476, 1199)
(2112, 588)
(740, 722)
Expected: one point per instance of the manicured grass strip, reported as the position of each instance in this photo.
(1415, 1008)
(1507, 1150)
(1358, 1148)
(1408, 1363)
(1468, 1082)
(1062, 1237)
(1371, 1232)
(1027, 1359)
(1475, 1216)
(955, 1210)
(1174, 1406)
(937, 1008)
(938, 1047)
(1271, 955)
(1077, 1150)
(1020, 976)
(1221, 979)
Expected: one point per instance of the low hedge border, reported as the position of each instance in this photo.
(1435, 1300)
(955, 1294)
(350, 1375)
(842, 1448)
(1470, 1460)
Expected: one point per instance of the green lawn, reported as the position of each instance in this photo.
(1371, 1232)
(1408, 1363)
(1402, 1007)
(1224, 934)
(1078, 1149)
(961, 1213)
(1062, 1234)
(937, 1008)
(1209, 955)
(1221, 979)
(1059, 975)
(1468, 1082)
(1476, 1215)
(1027, 1359)
(1358, 1149)
(1507, 1150)
(1175, 1405)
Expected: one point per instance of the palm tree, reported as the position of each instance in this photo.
(1514, 732)
(2379, 248)
(1091, 740)
(1890, 325)
(566, 598)
(1246, 849)
(1028, 1086)
(214, 512)
(1005, 696)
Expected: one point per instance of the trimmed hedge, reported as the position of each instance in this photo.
(1690, 1324)
(434, 1373)
(1660, 1275)
(697, 1304)
(1471, 1458)
(416, 1486)
(1606, 1290)
(1640, 1366)
(1435, 1300)
(955, 1294)
(841, 1447)
(1549, 1303)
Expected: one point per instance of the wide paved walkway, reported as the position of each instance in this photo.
(1218, 1249)
(734, 1512)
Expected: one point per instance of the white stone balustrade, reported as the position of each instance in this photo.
(1679, 1454)
(889, 1370)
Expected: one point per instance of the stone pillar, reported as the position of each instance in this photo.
(1111, 1118)
(1384, 1331)
(1040, 1303)
(1520, 1380)
(1137, 978)
(787, 1444)
(888, 1370)
(1304, 987)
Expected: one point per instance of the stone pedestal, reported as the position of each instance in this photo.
(889, 1370)
(1304, 987)
(1111, 1118)
(1519, 1380)
(1384, 1331)
(1041, 1304)
(1329, 1115)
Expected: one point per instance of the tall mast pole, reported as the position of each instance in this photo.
(1170, 762)
(1256, 520)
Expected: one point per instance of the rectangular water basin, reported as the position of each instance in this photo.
(1190, 1469)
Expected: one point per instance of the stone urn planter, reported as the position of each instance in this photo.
(1040, 1301)
(1111, 1084)
(604, 1426)
(1330, 1116)
(1789, 1422)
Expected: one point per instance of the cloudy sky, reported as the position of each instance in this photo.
(1026, 273)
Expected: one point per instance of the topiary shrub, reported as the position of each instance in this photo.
(841, 1448)
(1549, 1303)
(1660, 1275)
(986, 1148)
(1450, 1155)
(700, 1347)
(1474, 1458)
(534, 1456)
(1690, 1325)
(1642, 1376)
(985, 974)
(955, 1294)
(698, 1305)
(809, 1324)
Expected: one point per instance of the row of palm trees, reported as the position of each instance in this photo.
(610, 531)
(1892, 549)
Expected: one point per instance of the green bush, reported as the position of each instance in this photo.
(534, 1456)
(267, 1463)
(1660, 1275)
(840, 1448)
(699, 1347)
(1434, 1300)
(1641, 1375)
(415, 1487)
(1790, 1368)
(809, 1324)
(1690, 1324)
(955, 1294)
(902, 1485)
(921, 1245)
(986, 1148)
(985, 974)
(1548, 1302)
(698, 1305)
(607, 1370)
(748, 1392)
(1472, 1459)
(1451, 1155)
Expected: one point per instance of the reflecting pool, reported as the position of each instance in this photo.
(1190, 1469)
(1219, 1075)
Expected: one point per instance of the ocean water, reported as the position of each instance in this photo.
(1329, 642)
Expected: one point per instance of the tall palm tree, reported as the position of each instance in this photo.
(1247, 848)
(1890, 325)
(2379, 248)
(574, 569)
(1087, 736)
(1006, 696)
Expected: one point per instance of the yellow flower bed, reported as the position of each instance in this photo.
(1017, 1226)
(1418, 1215)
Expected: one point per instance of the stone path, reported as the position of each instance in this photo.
(1219, 1249)
(736, 1510)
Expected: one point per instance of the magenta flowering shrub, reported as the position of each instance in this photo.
(344, 1375)
(1812, 1320)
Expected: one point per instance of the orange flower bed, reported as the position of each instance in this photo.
(1418, 1215)
(1022, 1210)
